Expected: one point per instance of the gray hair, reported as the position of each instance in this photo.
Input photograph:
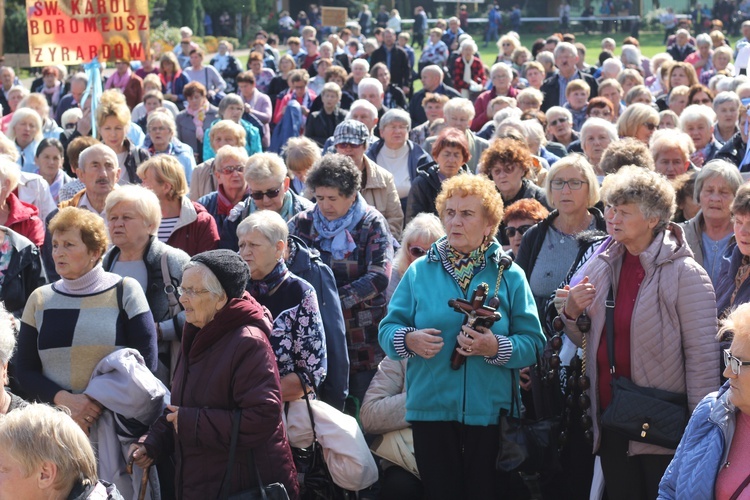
(695, 113)
(459, 105)
(565, 47)
(7, 335)
(21, 114)
(557, 111)
(362, 103)
(703, 39)
(717, 168)
(369, 83)
(433, 68)
(395, 115)
(268, 223)
(611, 65)
(534, 134)
(9, 171)
(725, 97)
(144, 201)
(361, 62)
(598, 123)
(265, 166)
(630, 55)
(546, 57)
(101, 148)
(210, 281)
(165, 118)
(651, 191)
(501, 68)
(468, 43)
(229, 100)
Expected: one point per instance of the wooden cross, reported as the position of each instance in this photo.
(477, 314)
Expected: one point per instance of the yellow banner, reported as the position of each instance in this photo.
(78, 31)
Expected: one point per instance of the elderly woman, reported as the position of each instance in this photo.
(321, 124)
(268, 183)
(699, 468)
(195, 118)
(548, 249)
(720, 61)
(39, 441)
(732, 286)
(461, 419)
(133, 216)
(300, 154)
(655, 305)
(639, 93)
(22, 273)
(173, 80)
(25, 130)
(49, 162)
(15, 214)
(15, 95)
(519, 218)
(698, 122)
(37, 102)
(710, 232)
(507, 45)
(529, 99)
(232, 188)
(226, 371)
(207, 76)
(63, 335)
(184, 224)
(560, 126)
(671, 150)
(451, 156)
(418, 236)
(638, 121)
(232, 108)
(700, 94)
(298, 338)
(534, 73)
(458, 114)
(396, 153)
(501, 76)
(162, 131)
(702, 58)
(596, 135)
(223, 133)
(112, 120)
(468, 70)
(726, 105)
(353, 239)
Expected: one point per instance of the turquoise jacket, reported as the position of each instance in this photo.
(475, 393)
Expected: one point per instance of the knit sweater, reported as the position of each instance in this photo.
(67, 328)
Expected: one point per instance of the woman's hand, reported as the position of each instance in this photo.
(170, 97)
(425, 343)
(524, 376)
(172, 417)
(84, 410)
(84, 123)
(140, 455)
(561, 295)
(479, 342)
(580, 297)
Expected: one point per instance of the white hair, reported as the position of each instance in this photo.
(695, 113)
(468, 43)
(630, 55)
(361, 62)
(362, 103)
(501, 68)
(459, 105)
(611, 65)
(535, 133)
(598, 123)
(505, 114)
(565, 47)
(369, 83)
(703, 39)
(608, 41)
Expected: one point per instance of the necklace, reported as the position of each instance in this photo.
(564, 236)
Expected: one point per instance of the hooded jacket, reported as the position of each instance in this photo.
(23, 218)
(672, 338)
(195, 231)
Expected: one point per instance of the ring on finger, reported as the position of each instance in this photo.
(468, 349)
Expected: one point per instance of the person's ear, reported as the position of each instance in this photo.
(46, 476)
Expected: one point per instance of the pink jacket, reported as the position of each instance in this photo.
(672, 341)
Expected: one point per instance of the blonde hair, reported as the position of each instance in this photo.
(22, 114)
(300, 154)
(424, 225)
(144, 201)
(582, 165)
(229, 126)
(670, 139)
(228, 152)
(265, 166)
(111, 106)
(9, 171)
(634, 116)
(168, 170)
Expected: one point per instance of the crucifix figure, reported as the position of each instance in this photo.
(477, 314)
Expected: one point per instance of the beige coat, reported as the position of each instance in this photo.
(203, 181)
(672, 341)
(380, 192)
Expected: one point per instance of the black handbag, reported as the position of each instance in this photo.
(643, 414)
(274, 491)
(525, 445)
(314, 478)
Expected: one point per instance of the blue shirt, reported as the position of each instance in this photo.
(564, 85)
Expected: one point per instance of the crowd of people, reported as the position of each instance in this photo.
(231, 240)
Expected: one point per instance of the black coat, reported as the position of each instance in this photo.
(24, 274)
(680, 56)
(424, 190)
(416, 110)
(4, 104)
(733, 151)
(400, 69)
(320, 126)
(551, 89)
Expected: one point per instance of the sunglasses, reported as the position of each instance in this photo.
(348, 145)
(417, 252)
(507, 169)
(230, 169)
(271, 194)
(651, 126)
(733, 362)
(70, 125)
(510, 231)
(559, 121)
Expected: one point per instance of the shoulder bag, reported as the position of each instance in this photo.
(275, 491)
(643, 414)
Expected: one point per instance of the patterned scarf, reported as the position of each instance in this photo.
(461, 266)
(198, 117)
(52, 94)
(335, 235)
(742, 273)
(261, 288)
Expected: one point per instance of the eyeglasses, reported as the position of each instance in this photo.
(559, 121)
(271, 194)
(574, 184)
(507, 169)
(651, 126)
(157, 129)
(416, 251)
(511, 231)
(702, 101)
(230, 169)
(733, 362)
(70, 125)
(190, 292)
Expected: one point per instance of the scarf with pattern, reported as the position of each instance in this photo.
(261, 288)
(335, 235)
(462, 266)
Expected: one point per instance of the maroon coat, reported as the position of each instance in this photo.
(227, 364)
(197, 235)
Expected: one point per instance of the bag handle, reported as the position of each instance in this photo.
(610, 307)
(169, 288)
(740, 489)
(224, 494)
(309, 406)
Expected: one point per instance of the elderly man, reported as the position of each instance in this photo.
(682, 46)
(458, 114)
(566, 60)
(7, 79)
(371, 90)
(364, 112)
(501, 75)
(378, 187)
(432, 81)
(78, 84)
(98, 170)
(452, 33)
(396, 59)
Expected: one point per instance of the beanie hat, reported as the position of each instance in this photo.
(229, 268)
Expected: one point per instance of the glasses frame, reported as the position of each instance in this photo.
(189, 292)
(732, 361)
(520, 230)
(416, 251)
(563, 183)
(271, 194)
(232, 169)
(555, 123)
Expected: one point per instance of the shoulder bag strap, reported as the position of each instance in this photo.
(741, 488)
(169, 288)
(610, 306)
(237, 414)
(309, 406)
